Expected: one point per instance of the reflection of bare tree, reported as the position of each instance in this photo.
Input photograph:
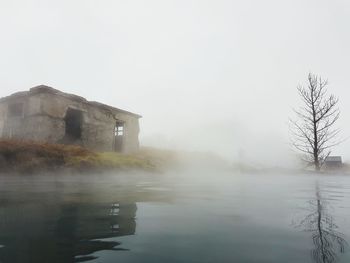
(328, 241)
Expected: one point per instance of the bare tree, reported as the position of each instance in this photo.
(313, 132)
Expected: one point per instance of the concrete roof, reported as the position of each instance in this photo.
(334, 159)
(47, 89)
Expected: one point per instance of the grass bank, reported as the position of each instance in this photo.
(33, 157)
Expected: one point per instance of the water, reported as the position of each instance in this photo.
(178, 217)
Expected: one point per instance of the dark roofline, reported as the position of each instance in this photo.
(46, 89)
(333, 160)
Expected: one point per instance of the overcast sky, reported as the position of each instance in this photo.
(204, 74)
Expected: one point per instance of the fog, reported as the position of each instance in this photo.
(213, 76)
(187, 216)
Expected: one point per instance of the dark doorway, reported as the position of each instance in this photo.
(74, 119)
(118, 136)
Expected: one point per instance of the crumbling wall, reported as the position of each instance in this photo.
(98, 129)
(3, 112)
(131, 132)
(32, 124)
(12, 126)
(98, 122)
(44, 114)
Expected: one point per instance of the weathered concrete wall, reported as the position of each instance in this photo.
(44, 120)
(97, 125)
(32, 125)
(3, 112)
(131, 134)
(13, 126)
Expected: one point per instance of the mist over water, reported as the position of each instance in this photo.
(193, 215)
(233, 141)
(215, 82)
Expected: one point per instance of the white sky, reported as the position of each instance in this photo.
(204, 74)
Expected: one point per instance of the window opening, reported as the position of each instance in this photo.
(118, 136)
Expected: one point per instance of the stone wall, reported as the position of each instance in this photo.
(44, 114)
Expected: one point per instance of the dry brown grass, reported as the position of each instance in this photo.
(33, 157)
(30, 157)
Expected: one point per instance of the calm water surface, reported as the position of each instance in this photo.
(179, 217)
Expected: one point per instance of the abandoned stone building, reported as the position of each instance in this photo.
(49, 115)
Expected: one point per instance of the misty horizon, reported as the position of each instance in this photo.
(218, 77)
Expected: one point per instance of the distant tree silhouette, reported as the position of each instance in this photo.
(313, 132)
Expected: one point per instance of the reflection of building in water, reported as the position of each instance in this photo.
(62, 233)
(327, 240)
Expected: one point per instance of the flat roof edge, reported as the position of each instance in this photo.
(46, 89)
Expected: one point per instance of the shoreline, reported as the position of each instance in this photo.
(28, 157)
